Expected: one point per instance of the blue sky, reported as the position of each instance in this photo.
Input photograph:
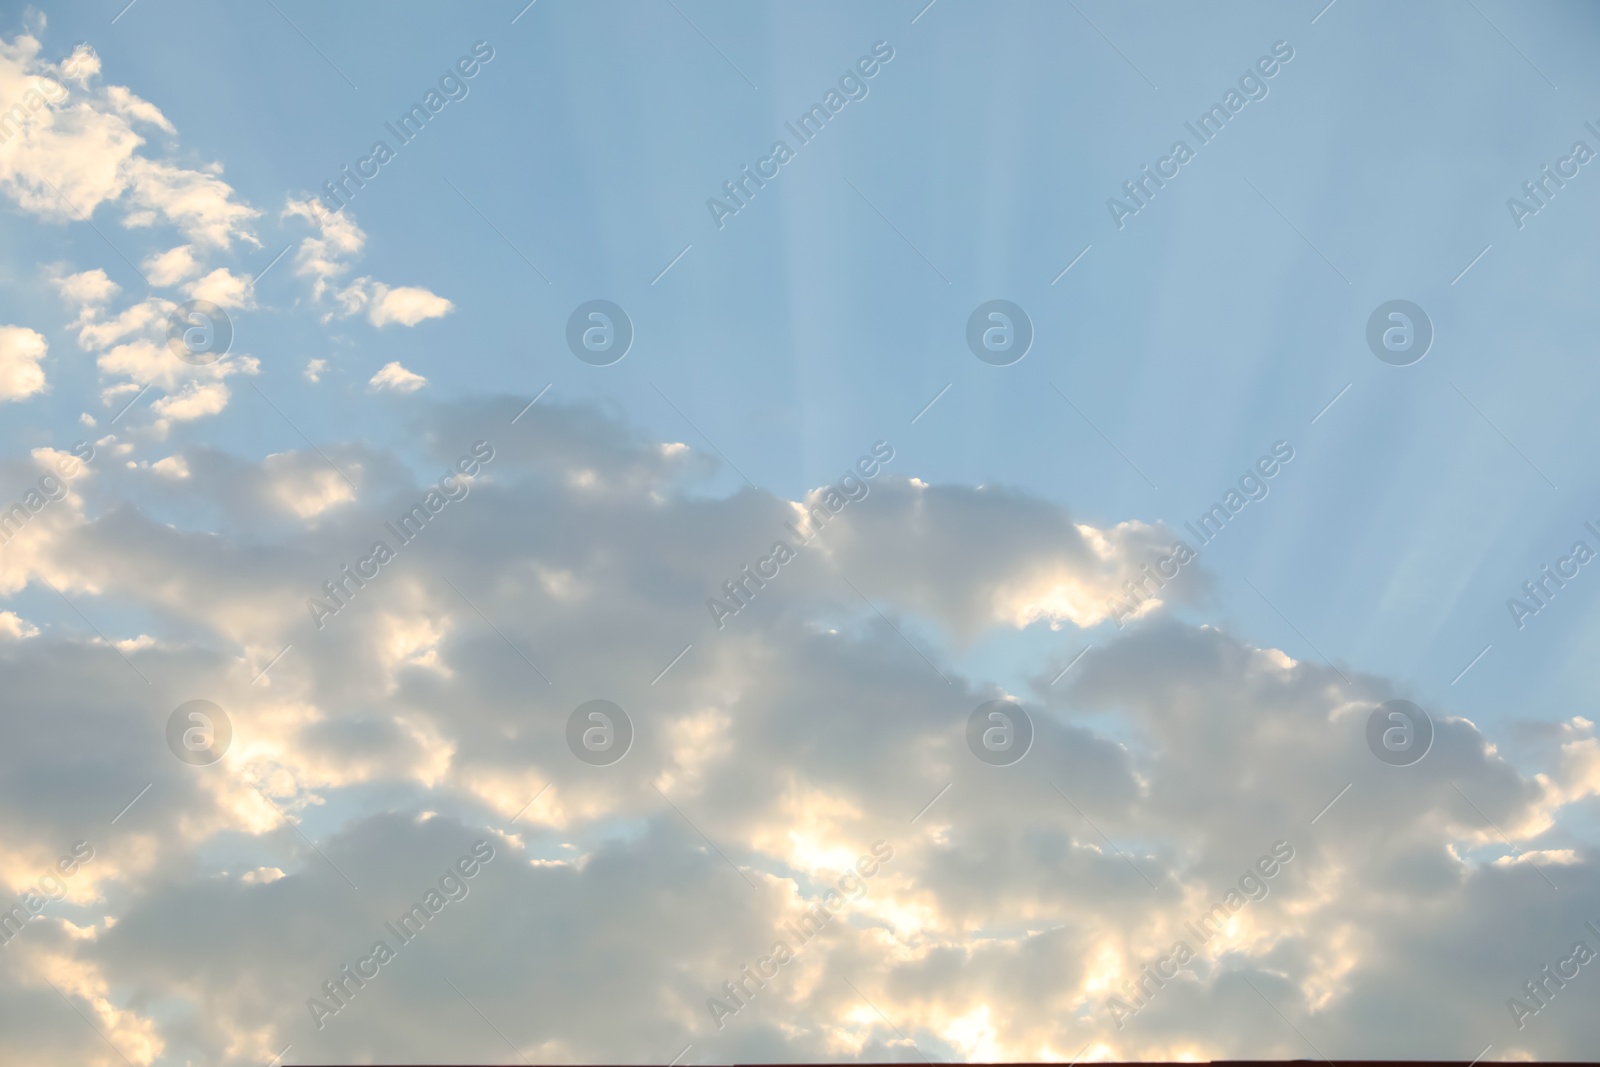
(806, 327)
(1228, 314)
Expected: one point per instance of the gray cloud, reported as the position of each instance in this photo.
(769, 757)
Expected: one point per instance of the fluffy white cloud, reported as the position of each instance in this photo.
(15, 628)
(406, 305)
(125, 103)
(66, 153)
(171, 467)
(200, 204)
(225, 289)
(132, 345)
(326, 255)
(172, 266)
(21, 352)
(82, 64)
(90, 288)
(392, 376)
(147, 317)
(196, 401)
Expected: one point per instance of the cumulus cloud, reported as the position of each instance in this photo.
(125, 103)
(171, 467)
(70, 151)
(89, 289)
(326, 255)
(82, 64)
(225, 289)
(172, 266)
(304, 484)
(406, 304)
(1034, 564)
(395, 378)
(132, 348)
(195, 401)
(21, 352)
(15, 628)
(575, 562)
